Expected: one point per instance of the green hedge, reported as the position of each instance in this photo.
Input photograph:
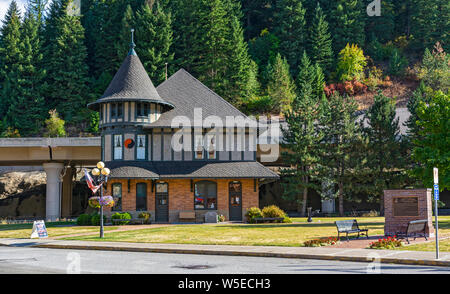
(84, 220)
(124, 216)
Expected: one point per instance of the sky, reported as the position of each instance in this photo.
(4, 4)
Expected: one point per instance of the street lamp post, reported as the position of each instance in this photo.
(101, 173)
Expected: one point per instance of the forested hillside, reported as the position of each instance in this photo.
(249, 52)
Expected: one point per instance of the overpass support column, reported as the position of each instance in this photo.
(53, 192)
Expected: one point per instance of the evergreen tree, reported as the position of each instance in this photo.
(320, 43)
(430, 23)
(341, 156)
(153, 39)
(10, 55)
(241, 70)
(281, 86)
(347, 19)
(23, 82)
(382, 27)
(257, 16)
(37, 8)
(290, 28)
(66, 86)
(303, 136)
(432, 148)
(384, 152)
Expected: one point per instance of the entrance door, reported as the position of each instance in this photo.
(141, 196)
(162, 203)
(235, 190)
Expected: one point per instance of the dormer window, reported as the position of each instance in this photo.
(142, 109)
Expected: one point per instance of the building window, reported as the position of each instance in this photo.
(118, 146)
(117, 195)
(198, 147)
(116, 110)
(101, 112)
(140, 148)
(141, 196)
(211, 146)
(142, 109)
(205, 195)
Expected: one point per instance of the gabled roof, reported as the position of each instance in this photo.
(131, 83)
(187, 93)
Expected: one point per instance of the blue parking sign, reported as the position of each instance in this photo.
(436, 192)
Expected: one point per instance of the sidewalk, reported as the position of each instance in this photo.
(324, 253)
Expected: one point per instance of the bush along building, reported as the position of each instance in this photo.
(176, 150)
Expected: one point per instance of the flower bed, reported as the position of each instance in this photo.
(386, 243)
(321, 242)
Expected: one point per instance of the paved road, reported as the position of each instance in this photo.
(15, 260)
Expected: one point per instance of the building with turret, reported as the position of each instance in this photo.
(178, 150)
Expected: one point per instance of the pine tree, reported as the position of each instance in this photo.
(303, 138)
(281, 86)
(384, 152)
(430, 23)
(290, 28)
(37, 8)
(240, 73)
(320, 43)
(340, 156)
(382, 27)
(10, 36)
(66, 86)
(347, 19)
(24, 81)
(154, 40)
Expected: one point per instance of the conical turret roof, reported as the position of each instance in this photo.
(131, 83)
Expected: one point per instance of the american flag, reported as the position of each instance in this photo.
(90, 182)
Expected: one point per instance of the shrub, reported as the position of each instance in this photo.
(397, 63)
(95, 219)
(386, 243)
(220, 218)
(84, 220)
(252, 213)
(259, 104)
(54, 125)
(435, 69)
(374, 79)
(273, 211)
(370, 213)
(351, 63)
(287, 220)
(146, 216)
(321, 242)
(123, 216)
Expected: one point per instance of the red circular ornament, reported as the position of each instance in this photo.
(129, 143)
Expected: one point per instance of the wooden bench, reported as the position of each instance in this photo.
(187, 216)
(268, 219)
(414, 229)
(350, 226)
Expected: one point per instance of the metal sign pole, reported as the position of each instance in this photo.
(436, 198)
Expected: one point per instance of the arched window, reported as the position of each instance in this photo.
(205, 195)
(117, 195)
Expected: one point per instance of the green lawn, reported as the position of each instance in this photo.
(238, 234)
(444, 246)
(53, 228)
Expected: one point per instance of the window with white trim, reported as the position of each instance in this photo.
(140, 147)
(198, 147)
(118, 147)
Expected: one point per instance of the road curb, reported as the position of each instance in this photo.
(444, 263)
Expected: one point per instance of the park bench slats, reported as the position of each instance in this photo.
(349, 227)
(414, 228)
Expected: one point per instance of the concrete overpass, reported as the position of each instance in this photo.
(59, 158)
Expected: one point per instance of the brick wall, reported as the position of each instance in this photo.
(182, 199)
(394, 224)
